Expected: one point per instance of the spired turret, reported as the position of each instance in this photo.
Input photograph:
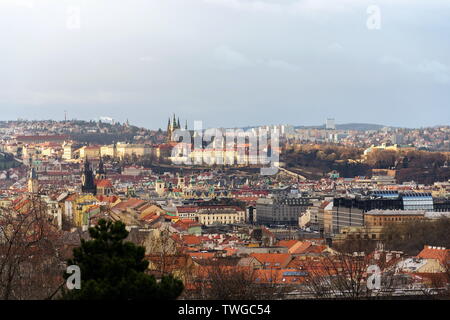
(33, 183)
(173, 125)
(87, 179)
(101, 172)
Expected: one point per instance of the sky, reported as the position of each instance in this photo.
(228, 63)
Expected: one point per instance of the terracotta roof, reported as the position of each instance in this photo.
(315, 249)
(201, 255)
(300, 247)
(439, 253)
(130, 203)
(287, 243)
(104, 183)
(191, 240)
(281, 276)
(110, 199)
(273, 260)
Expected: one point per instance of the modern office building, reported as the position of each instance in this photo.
(281, 210)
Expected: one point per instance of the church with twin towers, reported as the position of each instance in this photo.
(172, 126)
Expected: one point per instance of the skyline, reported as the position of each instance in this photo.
(230, 63)
(190, 124)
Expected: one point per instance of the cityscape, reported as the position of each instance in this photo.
(343, 196)
(223, 158)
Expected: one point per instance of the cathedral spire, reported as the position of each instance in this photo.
(87, 179)
(101, 173)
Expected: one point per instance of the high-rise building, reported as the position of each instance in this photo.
(329, 124)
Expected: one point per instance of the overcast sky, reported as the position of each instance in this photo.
(226, 62)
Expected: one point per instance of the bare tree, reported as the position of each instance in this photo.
(345, 275)
(163, 249)
(30, 264)
(218, 279)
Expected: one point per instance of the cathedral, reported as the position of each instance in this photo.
(87, 179)
(172, 126)
(96, 184)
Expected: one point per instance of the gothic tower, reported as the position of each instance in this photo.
(169, 131)
(172, 125)
(100, 173)
(87, 179)
(33, 184)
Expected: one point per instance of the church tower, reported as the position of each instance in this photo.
(100, 173)
(33, 184)
(172, 125)
(87, 179)
(169, 131)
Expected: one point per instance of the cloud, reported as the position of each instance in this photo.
(226, 54)
(230, 58)
(438, 71)
(42, 98)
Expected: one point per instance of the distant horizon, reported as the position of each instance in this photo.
(190, 124)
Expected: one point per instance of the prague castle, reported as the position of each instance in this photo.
(172, 126)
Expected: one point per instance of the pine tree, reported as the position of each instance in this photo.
(112, 269)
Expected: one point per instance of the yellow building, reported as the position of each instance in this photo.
(382, 218)
(28, 152)
(138, 150)
(67, 151)
(79, 205)
(108, 151)
(122, 150)
(357, 233)
(89, 152)
(226, 215)
(374, 223)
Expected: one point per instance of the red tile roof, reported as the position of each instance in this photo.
(104, 183)
(191, 240)
(273, 260)
(439, 253)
